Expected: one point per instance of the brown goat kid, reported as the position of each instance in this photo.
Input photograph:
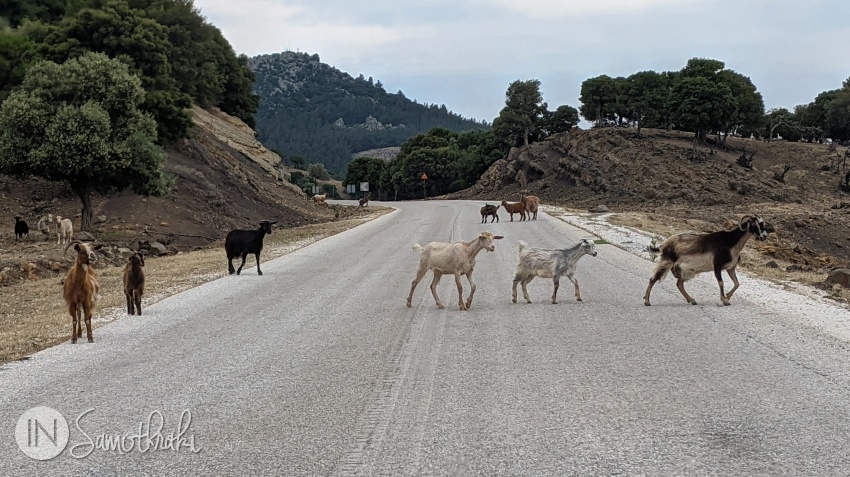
(81, 288)
(686, 255)
(457, 258)
(515, 208)
(134, 283)
(532, 203)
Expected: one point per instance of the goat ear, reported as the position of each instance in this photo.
(272, 223)
(77, 247)
(98, 246)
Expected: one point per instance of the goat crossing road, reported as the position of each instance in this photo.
(319, 368)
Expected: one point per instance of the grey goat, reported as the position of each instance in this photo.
(544, 263)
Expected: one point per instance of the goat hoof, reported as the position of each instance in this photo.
(693, 302)
(74, 341)
(441, 306)
(408, 305)
(513, 300)
(260, 273)
(91, 340)
(578, 299)
(726, 303)
(646, 303)
(554, 302)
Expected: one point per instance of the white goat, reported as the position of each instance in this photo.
(457, 258)
(64, 230)
(45, 224)
(545, 263)
(686, 255)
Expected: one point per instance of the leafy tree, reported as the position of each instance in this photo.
(702, 105)
(523, 112)
(318, 171)
(774, 119)
(298, 162)
(81, 122)
(838, 116)
(749, 105)
(598, 99)
(647, 96)
(366, 169)
(17, 53)
(561, 120)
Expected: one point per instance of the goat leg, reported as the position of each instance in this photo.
(680, 284)
(718, 273)
(230, 269)
(517, 279)
(239, 270)
(419, 274)
(74, 323)
(471, 291)
(556, 281)
(734, 276)
(460, 303)
(259, 272)
(434, 282)
(87, 309)
(525, 282)
(575, 282)
(138, 299)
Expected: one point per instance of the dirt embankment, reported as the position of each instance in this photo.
(226, 179)
(657, 173)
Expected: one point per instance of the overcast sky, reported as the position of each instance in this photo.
(464, 53)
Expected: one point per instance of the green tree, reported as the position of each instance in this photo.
(775, 118)
(598, 99)
(702, 105)
(561, 120)
(80, 122)
(647, 96)
(318, 171)
(524, 109)
(17, 53)
(366, 169)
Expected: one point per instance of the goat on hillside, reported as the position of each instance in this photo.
(532, 203)
(319, 199)
(489, 210)
(45, 223)
(134, 283)
(687, 254)
(515, 208)
(457, 258)
(80, 289)
(64, 230)
(21, 229)
(242, 242)
(545, 263)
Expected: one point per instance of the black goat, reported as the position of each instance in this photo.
(242, 242)
(21, 229)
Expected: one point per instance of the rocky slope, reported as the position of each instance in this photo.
(657, 173)
(225, 179)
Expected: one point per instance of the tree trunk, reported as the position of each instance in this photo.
(84, 192)
(638, 126)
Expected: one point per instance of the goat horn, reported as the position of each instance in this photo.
(744, 220)
(65, 253)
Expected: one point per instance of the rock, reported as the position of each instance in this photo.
(101, 218)
(125, 252)
(163, 224)
(55, 266)
(599, 209)
(793, 268)
(158, 248)
(840, 276)
(772, 264)
(84, 236)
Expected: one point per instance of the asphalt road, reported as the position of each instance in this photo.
(318, 368)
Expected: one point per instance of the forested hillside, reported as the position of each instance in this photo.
(313, 111)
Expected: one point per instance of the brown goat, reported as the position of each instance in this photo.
(81, 288)
(134, 283)
(515, 208)
(532, 202)
(364, 201)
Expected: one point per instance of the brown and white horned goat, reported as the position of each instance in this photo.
(134, 283)
(515, 208)
(457, 258)
(81, 288)
(687, 254)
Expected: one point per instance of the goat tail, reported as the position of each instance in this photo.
(654, 249)
(522, 245)
(417, 247)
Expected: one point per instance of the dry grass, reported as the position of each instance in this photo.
(33, 315)
(753, 259)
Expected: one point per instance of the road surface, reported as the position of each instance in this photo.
(318, 368)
